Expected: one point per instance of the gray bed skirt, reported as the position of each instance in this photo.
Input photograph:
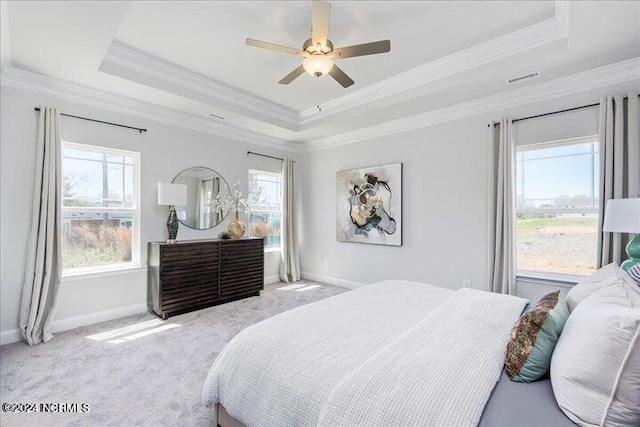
(511, 404)
(523, 405)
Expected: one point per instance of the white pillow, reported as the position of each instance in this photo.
(595, 367)
(602, 277)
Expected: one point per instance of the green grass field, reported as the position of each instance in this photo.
(526, 224)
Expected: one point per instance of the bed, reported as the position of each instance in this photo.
(393, 353)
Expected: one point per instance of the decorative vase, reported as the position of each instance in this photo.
(633, 251)
(236, 228)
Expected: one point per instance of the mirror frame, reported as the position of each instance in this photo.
(225, 214)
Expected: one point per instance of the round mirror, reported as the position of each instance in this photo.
(203, 185)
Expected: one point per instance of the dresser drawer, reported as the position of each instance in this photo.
(190, 252)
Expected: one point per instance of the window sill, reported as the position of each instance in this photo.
(272, 250)
(94, 273)
(551, 279)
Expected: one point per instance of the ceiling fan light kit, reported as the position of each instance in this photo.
(317, 64)
(318, 51)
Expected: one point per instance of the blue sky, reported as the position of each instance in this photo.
(547, 176)
(88, 174)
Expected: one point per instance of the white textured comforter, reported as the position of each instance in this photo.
(393, 353)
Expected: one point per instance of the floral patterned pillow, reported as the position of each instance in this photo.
(534, 337)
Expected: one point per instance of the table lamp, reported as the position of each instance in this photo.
(172, 195)
(623, 216)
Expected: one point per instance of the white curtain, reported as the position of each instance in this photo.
(502, 264)
(619, 166)
(289, 261)
(44, 266)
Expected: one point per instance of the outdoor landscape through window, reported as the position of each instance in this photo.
(557, 208)
(265, 207)
(98, 206)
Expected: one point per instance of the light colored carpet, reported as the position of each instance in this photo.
(153, 380)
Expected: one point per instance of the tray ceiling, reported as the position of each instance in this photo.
(190, 56)
(209, 38)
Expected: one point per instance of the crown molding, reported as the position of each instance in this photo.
(402, 87)
(133, 64)
(73, 92)
(620, 72)
(128, 62)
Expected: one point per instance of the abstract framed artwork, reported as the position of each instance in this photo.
(369, 205)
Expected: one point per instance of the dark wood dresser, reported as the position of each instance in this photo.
(193, 274)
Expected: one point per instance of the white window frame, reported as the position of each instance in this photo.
(134, 264)
(549, 277)
(279, 175)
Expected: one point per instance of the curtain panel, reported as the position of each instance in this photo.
(43, 267)
(502, 263)
(619, 166)
(289, 261)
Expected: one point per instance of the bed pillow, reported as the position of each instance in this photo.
(602, 277)
(534, 337)
(595, 368)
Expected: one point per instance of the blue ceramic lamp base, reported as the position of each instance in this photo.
(633, 251)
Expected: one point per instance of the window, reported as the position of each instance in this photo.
(265, 207)
(99, 207)
(557, 207)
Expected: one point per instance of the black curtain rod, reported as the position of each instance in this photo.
(264, 155)
(99, 121)
(553, 112)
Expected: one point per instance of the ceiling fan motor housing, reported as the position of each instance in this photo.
(309, 47)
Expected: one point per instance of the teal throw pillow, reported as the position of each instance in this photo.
(534, 337)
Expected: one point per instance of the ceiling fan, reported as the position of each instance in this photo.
(318, 51)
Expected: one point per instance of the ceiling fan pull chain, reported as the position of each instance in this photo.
(316, 92)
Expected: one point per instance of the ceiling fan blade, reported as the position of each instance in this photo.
(320, 15)
(292, 76)
(373, 48)
(273, 46)
(340, 76)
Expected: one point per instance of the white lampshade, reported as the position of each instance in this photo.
(622, 216)
(317, 65)
(172, 194)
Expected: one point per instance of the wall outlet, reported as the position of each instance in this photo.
(466, 283)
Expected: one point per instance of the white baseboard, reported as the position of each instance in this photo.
(10, 336)
(271, 279)
(97, 317)
(14, 335)
(332, 280)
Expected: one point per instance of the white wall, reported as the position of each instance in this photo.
(165, 151)
(444, 214)
(445, 200)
